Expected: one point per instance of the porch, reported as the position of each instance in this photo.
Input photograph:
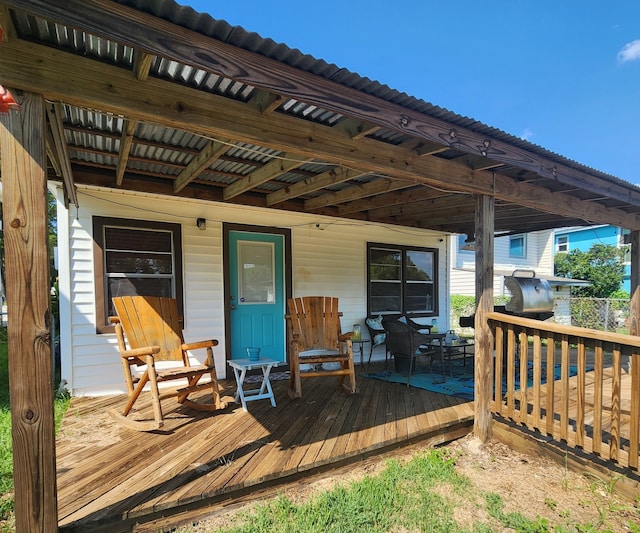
(111, 478)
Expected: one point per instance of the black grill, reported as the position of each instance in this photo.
(531, 297)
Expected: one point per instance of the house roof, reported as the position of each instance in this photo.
(155, 97)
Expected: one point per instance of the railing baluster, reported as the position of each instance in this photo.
(551, 396)
(634, 423)
(511, 345)
(523, 343)
(537, 378)
(614, 445)
(564, 386)
(498, 392)
(597, 397)
(580, 399)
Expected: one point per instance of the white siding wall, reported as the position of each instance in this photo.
(327, 260)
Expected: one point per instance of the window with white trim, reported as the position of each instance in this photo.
(518, 246)
(562, 244)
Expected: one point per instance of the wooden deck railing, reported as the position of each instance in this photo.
(570, 384)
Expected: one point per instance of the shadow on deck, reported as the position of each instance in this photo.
(114, 479)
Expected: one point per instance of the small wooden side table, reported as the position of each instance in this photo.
(264, 392)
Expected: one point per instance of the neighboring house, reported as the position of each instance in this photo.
(524, 252)
(583, 238)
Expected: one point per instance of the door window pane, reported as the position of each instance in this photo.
(256, 272)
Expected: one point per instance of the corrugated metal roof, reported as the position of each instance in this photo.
(81, 42)
(219, 29)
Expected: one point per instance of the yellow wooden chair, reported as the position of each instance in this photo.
(149, 331)
(316, 341)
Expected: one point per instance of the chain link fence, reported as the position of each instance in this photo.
(607, 314)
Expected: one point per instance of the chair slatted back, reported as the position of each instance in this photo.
(151, 321)
(315, 321)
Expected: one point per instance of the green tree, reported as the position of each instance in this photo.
(602, 266)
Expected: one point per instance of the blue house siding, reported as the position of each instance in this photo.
(584, 238)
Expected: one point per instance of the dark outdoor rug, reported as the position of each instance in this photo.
(461, 384)
(273, 376)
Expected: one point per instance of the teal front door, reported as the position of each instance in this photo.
(256, 294)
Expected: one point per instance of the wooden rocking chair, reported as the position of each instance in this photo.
(316, 340)
(152, 329)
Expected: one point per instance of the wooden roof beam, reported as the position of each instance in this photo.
(356, 129)
(424, 148)
(54, 112)
(357, 192)
(278, 166)
(141, 64)
(7, 28)
(212, 151)
(126, 142)
(266, 102)
(312, 184)
(382, 205)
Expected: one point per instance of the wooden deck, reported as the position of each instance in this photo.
(114, 479)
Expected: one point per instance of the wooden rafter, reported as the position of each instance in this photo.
(376, 204)
(126, 142)
(141, 64)
(357, 192)
(312, 184)
(274, 168)
(54, 112)
(266, 102)
(356, 129)
(7, 29)
(212, 151)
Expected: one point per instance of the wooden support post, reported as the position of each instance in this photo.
(22, 145)
(484, 229)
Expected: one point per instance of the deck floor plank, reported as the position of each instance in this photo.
(111, 477)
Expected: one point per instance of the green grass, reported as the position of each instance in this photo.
(61, 403)
(419, 495)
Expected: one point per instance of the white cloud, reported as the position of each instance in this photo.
(526, 134)
(629, 52)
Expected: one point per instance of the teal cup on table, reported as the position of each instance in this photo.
(254, 354)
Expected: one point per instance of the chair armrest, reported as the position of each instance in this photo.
(199, 344)
(418, 327)
(345, 336)
(141, 352)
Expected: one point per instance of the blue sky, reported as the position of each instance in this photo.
(563, 74)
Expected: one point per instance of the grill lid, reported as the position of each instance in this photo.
(529, 294)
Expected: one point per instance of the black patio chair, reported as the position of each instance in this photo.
(406, 344)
